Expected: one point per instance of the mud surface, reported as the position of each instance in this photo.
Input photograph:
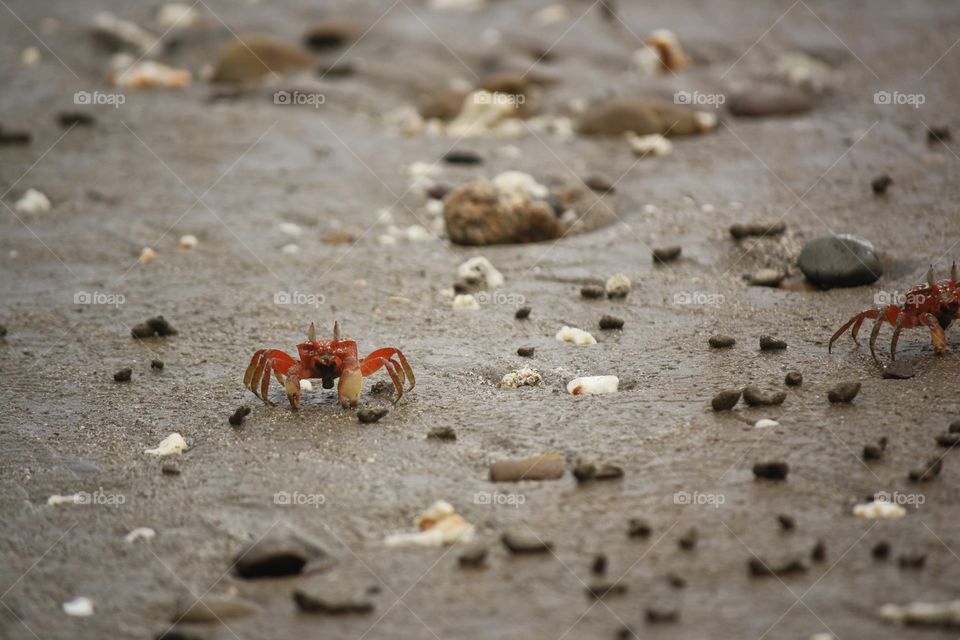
(168, 163)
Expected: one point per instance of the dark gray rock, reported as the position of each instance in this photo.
(844, 392)
(840, 261)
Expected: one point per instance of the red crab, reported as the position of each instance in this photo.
(327, 360)
(934, 305)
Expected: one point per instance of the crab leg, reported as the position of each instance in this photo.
(896, 336)
(856, 321)
(376, 360)
(936, 332)
(888, 314)
(263, 363)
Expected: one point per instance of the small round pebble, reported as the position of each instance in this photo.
(526, 352)
(793, 379)
(774, 470)
(610, 322)
(123, 375)
(369, 416)
(769, 343)
(236, 419)
(880, 184)
(522, 313)
(756, 397)
(442, 433)
(787, 521)
(592, 291)
(722, 342)
(170, 469)
(666, 254)
(156, 364)
(766, 278)
(725, 400)
(844, 392)
(618, 286)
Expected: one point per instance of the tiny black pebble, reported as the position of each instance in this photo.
(657, 615)
(881, 550)
(775, 470)
(725, 400)
(123, 375)
(638, 528)
(522, 313)
(875, 451)
(369, 416)
(722, 342)
(156, 364)
(442, 433)
(786, 521)
(526, 352)
(170, 469)
(689, 540)
(237, 418)
(938, 134)
(71, 118)
(914, 560)
(610, 322)
(3, 331)
(769, 343)
(592, 291)
(600, 184)
(954, 427)
(819, 551)
(599, 566)
(880, 184)
(675, 581)
(843, 392)
(793, 379)
(439, 192)
(462, 156)
(666, 254)
(948, 439)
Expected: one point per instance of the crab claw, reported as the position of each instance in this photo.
(312, 333)
(291, 384)
(931, 276)
(351, 383)
(336, 330)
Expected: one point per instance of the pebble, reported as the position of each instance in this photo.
(463, 157)
(523, 377)
(777, 567)
(881, 550)
(442, 433)
(721, 342)
(123, 375)
(522, 313)
(602, 589)
(661, 615)
(172, 444)
(147, 255)
(156, 326)
(3, 331)
(600, 184)
(793, 379)
(608, 322)
(912, 560)
(177, 15)
(954, 427)
(479, 271)
(618, 286)
(879, 510)
(638, 528)
(675, 581)
(844, 392)
(654, 145)
(769, 101)
(549, 466)
(787, 522)
(880, 184)
(592, 291)
(14, 137)
(156, 365)
(32, 202)
(214, 608)
(773, 470)
(330, 34)
(465, 302)
(769, 343)
(79, 607)
(523, 542)
(938, 134)
(948, 439)
(688, 541)
(642, 116)
(899, 370)
(819, 551)
(275, 555)
(75, 118)
(253, 57)
(666, 254)
(765, 423)
(572, 335)
(928, 471)
(236, 419)
(117, 34)
(740, 231)
(924, 614)
(187, 242)
(756, 397)
(525, 352)
(593, 385)
(474, 555)
(30, 57)
(313, 600)
(599, 565)
(840, 261)
(725, 400)
(290, 249)
(170, 469)
(587, 471)
(145, 534)
(150, 75)
(370, 416)
(875, 451)
(483, 213)
(766, 278)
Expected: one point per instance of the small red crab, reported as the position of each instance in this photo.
(934, 305)
(327, 360)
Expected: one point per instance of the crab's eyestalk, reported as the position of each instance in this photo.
(312, 333)
(336, 330)
(931, 277)
(955, 272)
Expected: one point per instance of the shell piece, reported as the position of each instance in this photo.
(480, 271)
(57, 500)
(151, 75)
(147, 255)
(593, 385)
(146, 534)
(172, 444)
(32, 201)
(80, 607)
(465, 302)
(765, 423)
(187, 242)
(652, 145)
(439, 525)
(573, 335)
(618, 286)
(524, 377)
(879, 510)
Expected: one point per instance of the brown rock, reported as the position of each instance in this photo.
(442, 106)
(740, 230)
(549, 466)
(525, 542)
(769, 101)
(666, 254)
(330, 34)
(478, 214)
(642, 116)
(755, 397)
(725, 400)
(214, 608)
(252, 57)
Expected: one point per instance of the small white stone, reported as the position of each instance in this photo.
(147, 255)
(306, 386)
(650, 145)
(187, 242)
(573, 335)
(434, 207)
(879, 510)
(765, 423)
(417, 233)
(173, 443)
(705, 120)
(146, 534)
(479, 271)
(520, 183)
(707, 208)
(32, 202)
(593, 385)
(291, 228)
(80, 607)
(525, 377)
(290, 249)
(30, 57)
(465, 302)
(941, 614)
(618, 286)
(57, 500)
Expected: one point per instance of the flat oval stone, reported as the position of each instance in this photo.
(840, 261)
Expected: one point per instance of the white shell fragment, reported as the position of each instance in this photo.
(151, 75)
(80, 607)
(32, 202)
(417, 233)
(57, 500)
(520, 183)
(593, 385)
(465, 302)
(147, 255)
(439, 525)
(306, 385)
(187, 242)
(125, 34)
(923, 613)
(483, 114)
(575, 336)
(650, 145)
(618, 286)
(765, 423)
(879, 510)
(525, 377)
(479, 271)
(173, 443)
(291, 228)
(145, 534)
